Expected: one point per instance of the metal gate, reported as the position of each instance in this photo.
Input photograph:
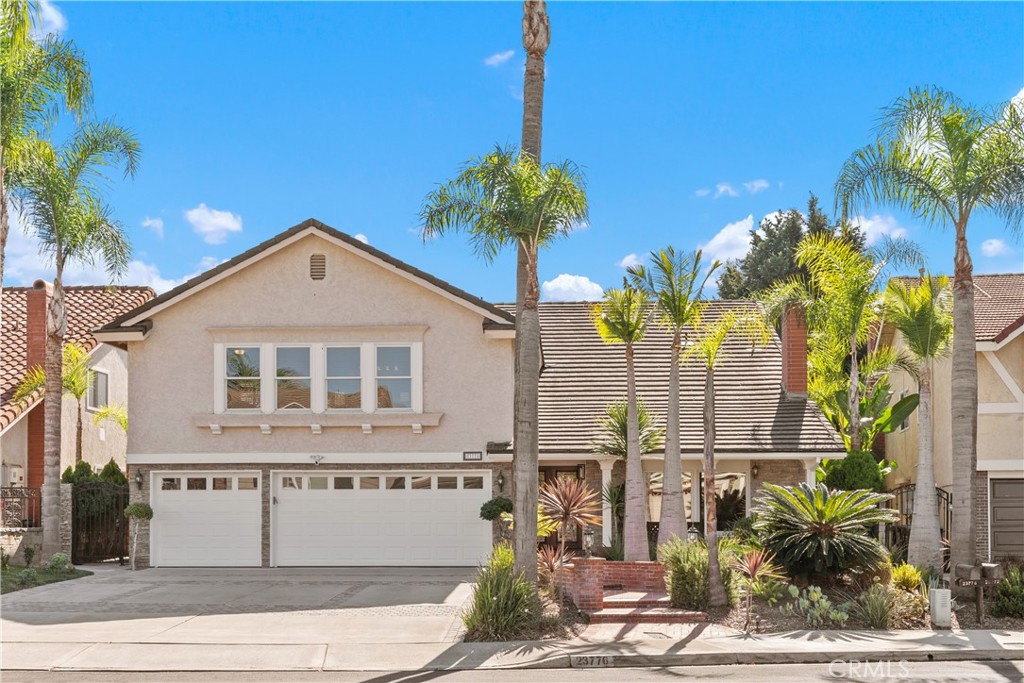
(99, 530)
(897, 534)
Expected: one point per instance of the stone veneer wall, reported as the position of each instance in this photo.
(142, 495)
(981, 516)
(781, 472)
(14, 541)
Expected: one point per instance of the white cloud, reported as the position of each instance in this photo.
(361, 237)
(52, 20)
(213, 225)
(755, 186)
(702, 192)
(878, 226)
(499, 58)
(995, 247)
(154, 224)
(567, 287)
(731, 242)
(629, 261)
(725, 190)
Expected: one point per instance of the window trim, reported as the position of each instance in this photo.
(90, 405)
(221, 372)
(311, 348)
(362, 374)
(415, 369)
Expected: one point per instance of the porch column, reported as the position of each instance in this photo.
(810, 469)
(695, 511)
(606, 511)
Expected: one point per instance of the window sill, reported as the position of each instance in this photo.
(317, 422)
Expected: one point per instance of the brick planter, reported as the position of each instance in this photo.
(585, 580)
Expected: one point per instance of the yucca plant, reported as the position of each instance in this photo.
(755, 566)
(817, 532)
(570, 503)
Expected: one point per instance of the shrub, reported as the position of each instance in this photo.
(492, 509)
(858, 470)
(744, 533)
(549, 562)
(769, 590)
(880, 572)
(815, 607)
(5, 560)
(29, 552)
(59, 564)
(875, 607)
(82, 472)
(816, 532)
(906, 577)
(27, 578)
(730, 506)
(687, 574)
(505, 605)
(112, 473)
(1008, 600)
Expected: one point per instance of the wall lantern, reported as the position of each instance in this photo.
(501, 482)
(138, 480)
(581, 471)
(753, 470)
(588, 540)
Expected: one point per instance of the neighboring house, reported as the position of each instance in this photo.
(22, 345)
(314, 401)
(999, 487)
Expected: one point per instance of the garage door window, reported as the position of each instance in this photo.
(222, 483)
(318, 483)
(170, 484)
(369, 482)
(447, 482)
(472, 482)
(421, 483)
(195, 483)
(291, 482)
(248, 483)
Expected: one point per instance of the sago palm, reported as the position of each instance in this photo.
(61, 194)
(673, 280)
(622, 318)
(922, 314)
(945, 160)
(77, 377)
(500, 200)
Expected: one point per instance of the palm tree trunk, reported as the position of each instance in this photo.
(925, 541)
(964, 416)
(672, 478)
(635, 535)
(56, 323)
(78, 430)
(854, 396)
(717, 597)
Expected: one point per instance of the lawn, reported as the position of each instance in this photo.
(15, 579)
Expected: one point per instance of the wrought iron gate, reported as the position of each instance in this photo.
(99, 530)
(897, 534)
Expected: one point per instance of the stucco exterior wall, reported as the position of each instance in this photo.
(466, 376)
(107, 440)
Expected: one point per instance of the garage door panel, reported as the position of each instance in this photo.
(1007, 515)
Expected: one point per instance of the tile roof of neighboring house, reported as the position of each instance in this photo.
(583, 374)
(88, 307)
(998, 305)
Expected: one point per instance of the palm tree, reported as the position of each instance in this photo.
(622, 317)
(76, 378)
(60, 190)
(503, 199)
(943, 160)
(674, 282)
(35, 77)
(708, 350)
(922, 315)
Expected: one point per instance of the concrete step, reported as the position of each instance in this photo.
(646, 615)
(636, 599)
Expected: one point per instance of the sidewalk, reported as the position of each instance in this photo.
(698, 645)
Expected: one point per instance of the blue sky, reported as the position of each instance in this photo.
(692, 121)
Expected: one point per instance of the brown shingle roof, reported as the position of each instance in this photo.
(998, 305)
(88, 308)
(582, 375)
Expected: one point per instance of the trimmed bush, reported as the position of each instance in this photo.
(1008, 600)
(59, 564)
(906, 577)
(505, 605)
(858, 470)
(492, 509)
(687, 573)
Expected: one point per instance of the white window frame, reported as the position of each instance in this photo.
(415, 378)
(90, 404)
(220, 369)
(313, 352)
(362, 375)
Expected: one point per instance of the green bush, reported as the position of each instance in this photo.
(492, 509)
(815, 607)
(730, 506)
(769, 590)
(744, 533)
(817, 533)
(858, 470)
(1008, 600)
(875, 607)
(29, 553)
(82, 472)
(505, 605)
(138, 511)
(112, 473)
(687, 573)
(906, 577)
(59, 564)
(5, 560)
(27, 578)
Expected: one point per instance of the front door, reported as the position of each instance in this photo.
(549, 474)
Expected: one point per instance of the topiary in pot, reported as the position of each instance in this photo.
(137, 512)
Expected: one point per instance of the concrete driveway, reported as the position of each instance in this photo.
(219, 607)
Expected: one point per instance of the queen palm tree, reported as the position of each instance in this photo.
(36, 75)
(944, 160)
(674, 282)
(622, 317)
(708, 350)
(504, 199)
(922, 315)
(60, 190)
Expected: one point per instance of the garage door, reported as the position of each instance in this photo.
(206, 519)
(1007, 517)
(380, 518)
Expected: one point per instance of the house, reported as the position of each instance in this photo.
(22, 345)
(999, 486)
(314, 401)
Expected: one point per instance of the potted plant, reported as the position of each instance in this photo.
(137, 512)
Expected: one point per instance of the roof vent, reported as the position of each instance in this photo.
(317, 266)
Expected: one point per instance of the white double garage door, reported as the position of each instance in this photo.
(320, 518)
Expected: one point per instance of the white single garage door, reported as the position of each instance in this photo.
(206, 519)
(380, 518)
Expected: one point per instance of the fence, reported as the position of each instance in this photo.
(99, 529)
(897, 534)
(20, 507)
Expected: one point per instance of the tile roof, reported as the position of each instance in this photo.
(998, 305)
(88, 308)
(582, 375)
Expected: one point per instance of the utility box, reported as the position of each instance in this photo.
(12, 475)
(940, 603)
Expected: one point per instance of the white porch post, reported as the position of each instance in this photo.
(606, 511)
(810, 469)
(695, 511)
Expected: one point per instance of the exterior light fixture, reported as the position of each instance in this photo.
(239, 352)
(316, 459)
(138, 480)
(753, 470)
(588, 540)
(500, 481)
(581, 471)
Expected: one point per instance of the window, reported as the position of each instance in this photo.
(248, 483)
(369, 482)
(293, 378)
(394, 377)
(97, 397)
(445, 482)
(342, 483)
(421, 482)
(318, 483)
(344, 384)
(242, 366)
(170, 484)
(291, 482)
(472, 482)
(222, 483)
(394, 482)
(195, 483)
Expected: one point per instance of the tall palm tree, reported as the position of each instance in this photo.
(36, 76)
(674, 282)
(922, 315)
(76, 379)
(622, 317)
(708, 350)
(499, 200)
(61, 192)
(944, 160)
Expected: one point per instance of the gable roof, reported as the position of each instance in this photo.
(135, 319)
(582, 375)
(998, 304)
(88, 307)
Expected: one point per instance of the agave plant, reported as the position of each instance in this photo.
(814, 531)
(755, 566)
(570, 503)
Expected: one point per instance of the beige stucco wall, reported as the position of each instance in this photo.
(466, 376)
(14, 444)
